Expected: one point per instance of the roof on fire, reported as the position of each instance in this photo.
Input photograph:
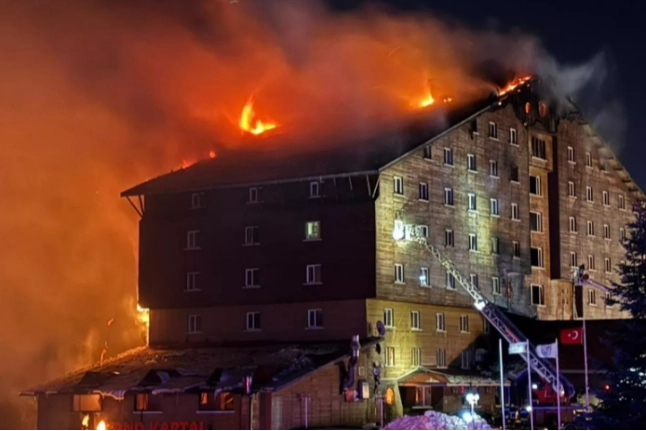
(357, 157)
(221, 369)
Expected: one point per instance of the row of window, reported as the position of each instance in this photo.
(607, 263)
(572, 227)
(440, 321)
(147, 402)
(588, 159)
(589, 196)
(253, 197)
(592, 297)
(314, 320)
(416, 360)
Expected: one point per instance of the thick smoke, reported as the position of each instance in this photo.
(97, 95)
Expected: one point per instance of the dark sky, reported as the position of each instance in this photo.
(573, 31)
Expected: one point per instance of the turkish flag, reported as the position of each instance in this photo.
(572, 336)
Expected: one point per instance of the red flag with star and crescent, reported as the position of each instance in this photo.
(572, 336)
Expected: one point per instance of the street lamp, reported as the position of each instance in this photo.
(473, 399)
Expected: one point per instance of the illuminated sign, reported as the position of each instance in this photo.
(157, 425)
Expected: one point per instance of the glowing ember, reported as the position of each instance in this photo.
(86, 421)
(101, 426)
(143, 315)
(250, 124)
(514, 84)
(212, 154)
(447, 100)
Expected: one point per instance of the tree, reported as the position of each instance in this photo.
(622, 404)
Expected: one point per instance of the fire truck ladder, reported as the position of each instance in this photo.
(501, 322)
(581, 278)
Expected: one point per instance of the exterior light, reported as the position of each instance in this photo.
(529, 409)
(399, 231)
(480, 305)
(534, 386)
(472, 399)
(467, 417)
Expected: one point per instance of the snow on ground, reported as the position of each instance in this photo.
(437, 421)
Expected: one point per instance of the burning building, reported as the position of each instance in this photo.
(259, 268)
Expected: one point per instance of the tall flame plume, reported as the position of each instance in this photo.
(249, 123)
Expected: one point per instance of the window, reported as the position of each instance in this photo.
(607, 265)
(399, 273)
(191, 281)
(313, 274)
(485, 326)
(573, 260)
(538, 148)
(473, 278)
(606, 198)
(606, 231)
(538, 296)
(493, 168)
(588, 194)
(471, 162)
(590, 228)
(196, 200)
(622, 234)
(620, 202)
(536, 221)
(537, 257)
(450, 281)
(493, 130)
(389, 357)
(464, 323)
(423, 191)
(514, 174)
(253, 195)
(513, 137)
(252, 277)
(427, 152)
(473, 206)
(495, 245)
(516, 248)
(315, 189)
(493, 204)
(572, 224)
(441, 358)
(473, 127)
(465, 359)
(415, 356)
(592, 297)
(191, 240)
(448, 197)
(495, 285)
(423, 277)
(423, 230)
(473, 242)
(535, 185)
(591, 265)
(440, 323)
(588, 160)
(251, 235)
(253, 321)
(398, 185)
(415, 322)
(216, 401)
(194, 324)
(515, 214)
(86, 403)
(315, 318)
(449, 239)
(448, 156)
(571, 189)
(145, 402)
(312, 230)
(570, 155)
(389, 318)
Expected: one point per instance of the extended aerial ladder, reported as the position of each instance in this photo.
(581, 278)
(489, 310)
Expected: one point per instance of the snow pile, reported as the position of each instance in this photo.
(437, 421)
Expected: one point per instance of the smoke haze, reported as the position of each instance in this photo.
(98, 95)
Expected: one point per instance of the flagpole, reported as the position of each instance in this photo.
(585, 364)
(530, 408)
(502, 386)
(558, 387)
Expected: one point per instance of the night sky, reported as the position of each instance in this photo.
(573, 31)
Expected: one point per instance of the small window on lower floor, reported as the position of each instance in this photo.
(415, 357)
(389, 357)
(315, 318)
(465, 360)
(146, 402)
(441, 358)
(86, 403)
(216, 401)
(194, 324)
(538, 296)
(592, 297)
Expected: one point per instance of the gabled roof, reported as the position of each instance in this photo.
(179, 370)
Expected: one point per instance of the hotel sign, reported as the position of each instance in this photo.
(156, 425)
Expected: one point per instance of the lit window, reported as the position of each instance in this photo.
(253, 321)
(493, 203)
(538, 296)
(415, 356)
(194, 324)
(448, 156)
(389, 317)
(252, 277)
(450, 281)
(592, 297)
(471, 162)
(398, 185)
(253, 195)
(251, 235)
(493, 130)
(573, 260)
(495, 285)
(312, 230)
(472, 202)
(448, 196)
(191, 240)
(516, 248)
(440, 324)
(423, 191)
(591, 263)
(570, 155)
(513, 137)
(537, 257)
(415, 322)
(315, 318)
(313, 274)
(495, 245)
(493, 168)
(423, 277)
(315, 189)
(449, 239)
(535, 185)
(464, 323)
(606, 198)
(191, 281)
(216, 401)
(515, 214)
(399, 273)
(589, 196)
(473, 242)
(572, 224)
(145, 402)
(441, 358)
(536, 221)
(590, 228)
(571, 189)
(588, 160)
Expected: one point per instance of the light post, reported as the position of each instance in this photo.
(473, 399)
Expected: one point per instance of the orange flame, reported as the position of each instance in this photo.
(86, 421)
(212, 154)
(427, 101)
(250, 124)
(514, 84)
(101, 426)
